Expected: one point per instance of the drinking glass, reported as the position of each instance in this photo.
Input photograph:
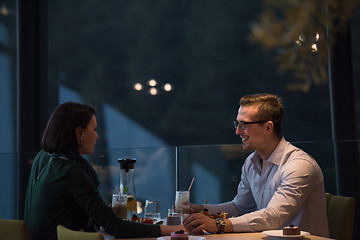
(152, 209)
(173, 217)
(182, 201)
(119, 204)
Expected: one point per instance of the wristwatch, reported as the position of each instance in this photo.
(220, 223)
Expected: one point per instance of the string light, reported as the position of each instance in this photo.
(300, 40)
(153, 87)
(314, 48)
(152, 82)
(167, 87)
(317, 37)
(138, 86)
(153, 91)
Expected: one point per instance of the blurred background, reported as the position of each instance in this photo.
(166, 78)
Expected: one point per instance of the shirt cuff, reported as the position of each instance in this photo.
(240, 224)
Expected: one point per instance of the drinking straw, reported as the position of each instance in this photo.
(192, 181)
(117, 188)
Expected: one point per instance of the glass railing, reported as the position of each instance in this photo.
(160, 171)
(8, 186)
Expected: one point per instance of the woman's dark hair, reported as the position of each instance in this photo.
(60, 133)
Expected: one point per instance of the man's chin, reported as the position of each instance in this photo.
(247, 147)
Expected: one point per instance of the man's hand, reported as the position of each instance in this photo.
(195, 208)
(197, 223)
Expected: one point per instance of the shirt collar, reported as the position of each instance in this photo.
(275, 156)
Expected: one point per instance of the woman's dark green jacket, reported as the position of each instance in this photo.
(62, 189)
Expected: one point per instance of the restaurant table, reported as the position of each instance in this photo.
(237, 236)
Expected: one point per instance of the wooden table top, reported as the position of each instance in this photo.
(237, 236)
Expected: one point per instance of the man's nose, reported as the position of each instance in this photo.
(238, 131)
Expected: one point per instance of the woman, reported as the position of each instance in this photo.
(62, 187)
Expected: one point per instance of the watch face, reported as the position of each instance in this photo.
(220, 222)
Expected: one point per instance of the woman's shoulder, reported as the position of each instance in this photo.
(66, 163)
(57, 162)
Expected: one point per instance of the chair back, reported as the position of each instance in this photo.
(13, 229)
(340, 213)
(64, 233)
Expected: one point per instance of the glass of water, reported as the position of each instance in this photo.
(119, 205)
(152, 209)
(173, 217)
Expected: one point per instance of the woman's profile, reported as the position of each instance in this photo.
(63, 186)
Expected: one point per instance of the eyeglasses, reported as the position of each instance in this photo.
(242, 125)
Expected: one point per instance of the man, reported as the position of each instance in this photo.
(280, 184)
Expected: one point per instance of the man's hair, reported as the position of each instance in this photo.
(270, 108)
(60, 132)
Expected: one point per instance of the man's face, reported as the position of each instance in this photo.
(253, 135)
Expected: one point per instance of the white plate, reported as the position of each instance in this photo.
(278, 235)
(190, 238)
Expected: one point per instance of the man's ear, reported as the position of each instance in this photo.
(269, 126)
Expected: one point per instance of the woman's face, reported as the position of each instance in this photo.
(87, 137)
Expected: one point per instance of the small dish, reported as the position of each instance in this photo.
(190, 238)
(278, 235)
